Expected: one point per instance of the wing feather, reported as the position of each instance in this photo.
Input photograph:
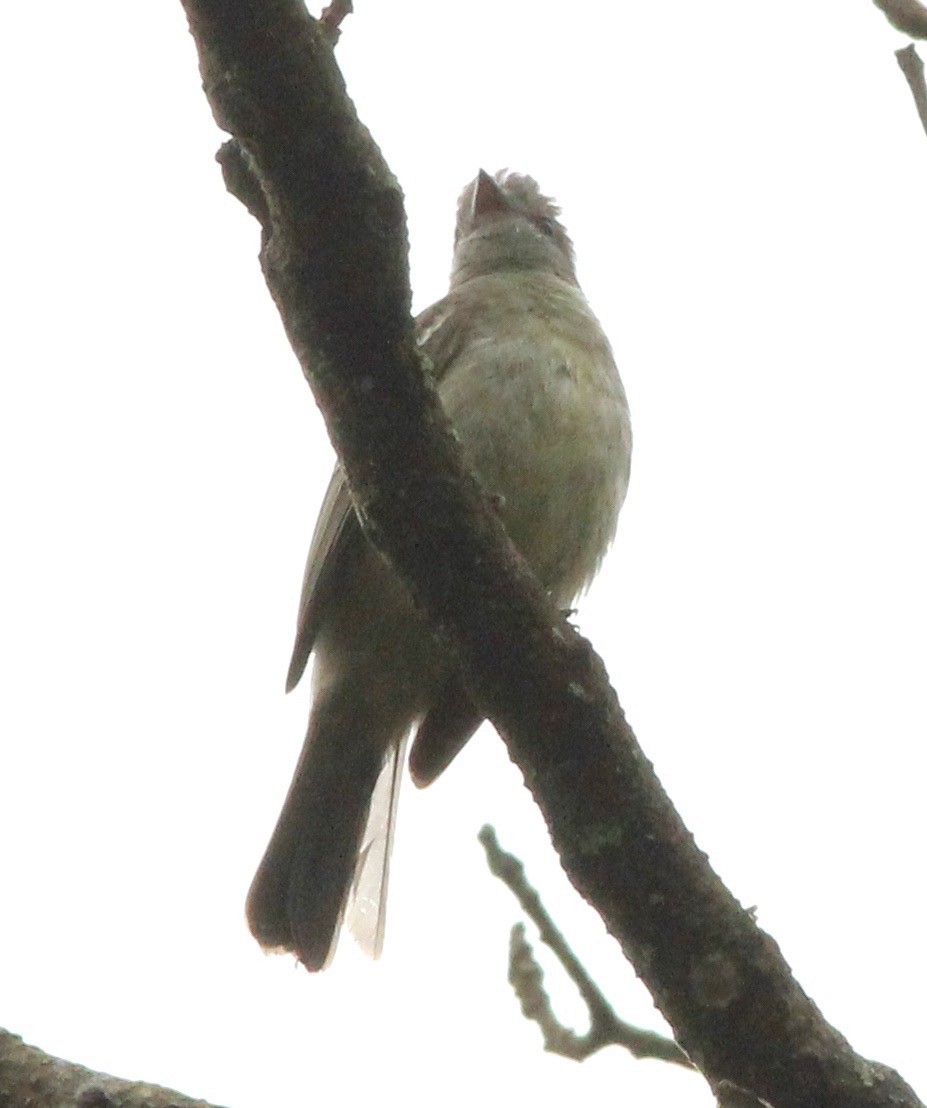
(335, 530)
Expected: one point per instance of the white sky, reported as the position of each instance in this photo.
(745, 186)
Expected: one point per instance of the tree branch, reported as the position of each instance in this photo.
(527, 978)
(30, 1077)
(910, 64)
(335, 261)
(908, 16)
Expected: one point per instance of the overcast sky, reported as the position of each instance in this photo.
(745, 187)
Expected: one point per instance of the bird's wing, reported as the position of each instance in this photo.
(453, 718)
(450, 722)
(335, 531)
(441, 331)
(337, 528)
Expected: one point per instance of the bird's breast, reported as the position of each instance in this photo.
(542, 418)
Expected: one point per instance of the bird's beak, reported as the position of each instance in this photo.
(488, 198)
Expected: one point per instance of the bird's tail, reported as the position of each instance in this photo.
(298, 897)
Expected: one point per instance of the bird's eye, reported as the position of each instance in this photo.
(547, 226)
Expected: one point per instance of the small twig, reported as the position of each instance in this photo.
(908, 16)
(909, 61)
(527, 978)
(334, 15)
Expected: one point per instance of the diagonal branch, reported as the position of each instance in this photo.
(908, 16)
(335, 261)
(30, 1077)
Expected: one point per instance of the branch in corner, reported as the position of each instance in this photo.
(28, 1076)
(907, 16)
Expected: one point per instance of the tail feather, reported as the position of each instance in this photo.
(366, 910)
(297, 899)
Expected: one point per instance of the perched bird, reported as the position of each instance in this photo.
(529, 383)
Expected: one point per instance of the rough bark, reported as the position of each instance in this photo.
(29, 1078)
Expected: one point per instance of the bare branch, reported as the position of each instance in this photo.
(526, 977)
(908, 16)
(28, 1076)
(335, 262)
(909, 61)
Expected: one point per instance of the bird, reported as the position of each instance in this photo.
(530, 385)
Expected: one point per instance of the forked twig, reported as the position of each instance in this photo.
(527, 978)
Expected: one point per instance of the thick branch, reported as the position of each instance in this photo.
(30, 1077)
(908, 16)
(335, 262)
